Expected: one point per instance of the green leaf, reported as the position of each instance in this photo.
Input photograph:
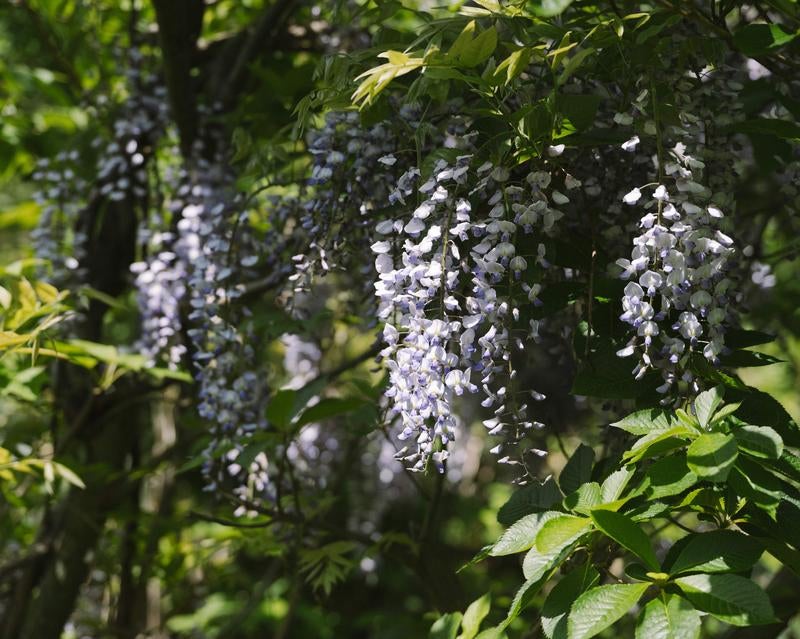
(68, 475)
(783, 129)
(522, 534)
(598, 608)
(763, 489)
(470, 52)
(646, 421)
(674, 619)
(523, 597)
(759, 441)
(584, 499)
(580, 110)
(474, 615)
(614, 484)
(513, 65)
(627, 534)
(281, 408)
(742, 338)
(561, 597)
(578, 469)
(725, 411)
(717, 551)
(329, 407)
(761, 409)
(537, 563)
(547, 8)
(559, 530)
(667, 477)
(706, 404)
(446, 626)
(658, 442)
(531, 498)
(730, 598)
(711, 456)
(745, 359)
(759, 39)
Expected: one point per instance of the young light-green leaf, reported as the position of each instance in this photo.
(473, 616)
(712, 456)
(446, 626)
(706, 404)
(559, 530)
(522, 534)
(627, 534)
(598, 608)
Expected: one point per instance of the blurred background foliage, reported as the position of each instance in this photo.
(168, 562)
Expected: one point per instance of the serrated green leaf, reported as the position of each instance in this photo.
(759, 441)
(658, 442)
(473, 616)
(446, 626)
(556, 532)
(725, 411)
(763, 489)
(614, 484)
(712, 456)
(674, 619)
(730, 598)
(600, 607)
(667, 477)
(627, 534)
(532, 498)
(644, 422)
(578, 469)
(706, 404)
(522, 534)
(562, 596)
(537, 563)
(584, 499)
(717, 551)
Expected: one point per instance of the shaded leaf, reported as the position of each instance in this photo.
(730, 598)
(627, 534)
(717, 551)
(562, 596)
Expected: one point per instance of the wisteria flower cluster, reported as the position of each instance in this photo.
(186, 289)
(678, 299)
(350, 178)
(449, 279)
(121, 174)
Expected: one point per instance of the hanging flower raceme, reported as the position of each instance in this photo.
(678, 300)
(352, 171)
(448, 286)
(120, 174)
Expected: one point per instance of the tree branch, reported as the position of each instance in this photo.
(179, 24)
